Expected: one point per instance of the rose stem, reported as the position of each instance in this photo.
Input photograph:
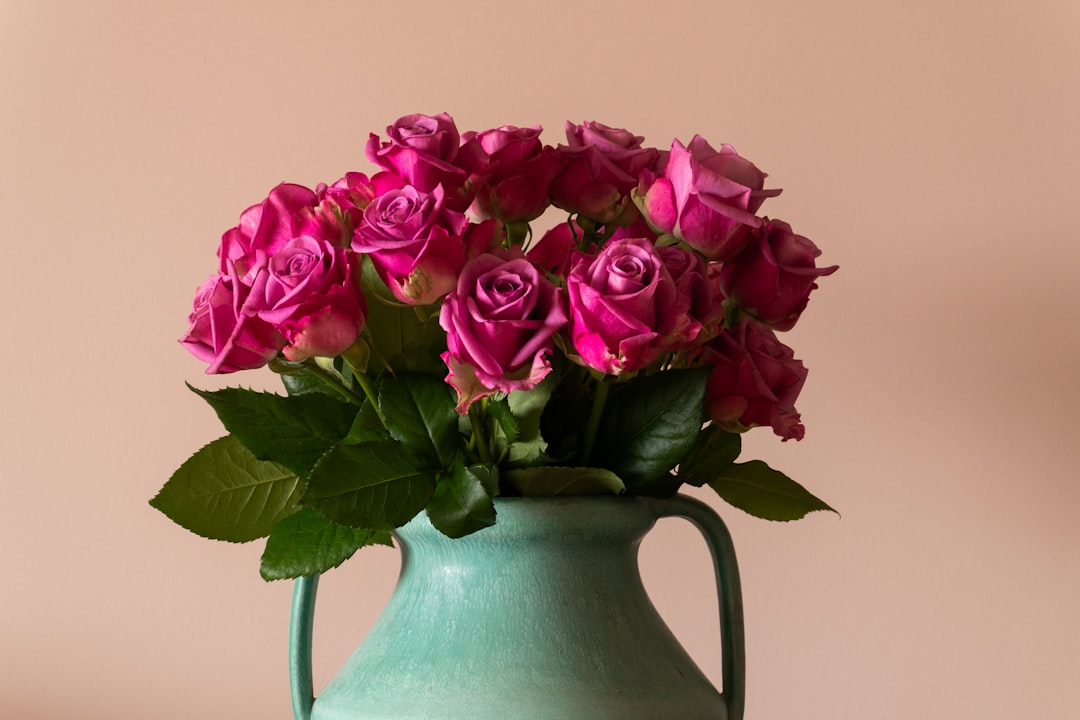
(599, 399)
(369, 390)
(478, 417)
(335, 384)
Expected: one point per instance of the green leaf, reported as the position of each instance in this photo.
(716, 449)
(650, 423)
(500, 410)
(379, 485)
(403, 338)
(548, 481)
(223, 492)
(292, 430)
(757, 489)
(462, 503)
(306, 543)
(527, 406)
(366, 427)
(298, 380)
(419, 412)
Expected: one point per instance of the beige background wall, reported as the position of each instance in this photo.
(930, 148)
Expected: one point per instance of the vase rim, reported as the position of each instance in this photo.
(626, 516)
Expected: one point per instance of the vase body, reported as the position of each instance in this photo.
(542, 615)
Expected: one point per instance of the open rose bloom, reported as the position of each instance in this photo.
(663, 248)
(655, 288)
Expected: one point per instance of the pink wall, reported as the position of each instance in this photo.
(931, 149)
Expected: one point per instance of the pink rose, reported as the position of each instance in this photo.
(433, 135)
(421, 151)
(755, 381)
(484, 236)
(554, 250)
(695, 290)
(415, 243)
(500, 323)
(518, 171)
(287, 212)
(623, 306)
(309, 296)
(706, 198)
(601, 166)
(773, 276)
(225, 328)
(341, 205)
(224, 332)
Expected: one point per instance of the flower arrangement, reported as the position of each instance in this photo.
(437, 353)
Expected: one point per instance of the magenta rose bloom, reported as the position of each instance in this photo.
(600, 167)
(224, 332)
(755, 381)
(704, 311)
(415, 243)
(773, 276)
(341, 206)
(225, 328)
(500, 323)
(286, 213)
(706, 198)
(434, 135)
(421, 151)
(518, 171)
(624, 306)
(554, 251)
(309, 296)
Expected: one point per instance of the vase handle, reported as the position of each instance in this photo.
(300, 622)
(729, 589)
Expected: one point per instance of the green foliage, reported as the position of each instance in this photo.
(500, 411)
(345, 457)
(527, 409)
(366, 426)
(419, 413)
(378, 485)
(757, 489)
(323, 477)
(306, 543)
(649, 424)
(713, 453)
(568, 402)
(291, 430)
(299, 380)
(549, 481)
(462, 503)
(223, 492)
(402, 338)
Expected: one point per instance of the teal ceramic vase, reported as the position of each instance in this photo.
(542, 615)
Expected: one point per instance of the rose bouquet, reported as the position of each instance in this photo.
(436, 352)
